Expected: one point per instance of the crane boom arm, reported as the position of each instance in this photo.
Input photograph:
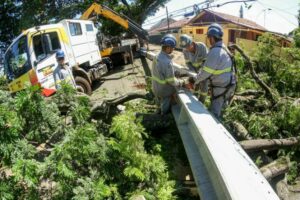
(123, 20)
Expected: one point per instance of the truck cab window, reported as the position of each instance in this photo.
(40, 48)
(89, 27)
(17, 60)
(75, 28)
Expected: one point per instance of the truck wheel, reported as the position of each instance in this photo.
(83, 85)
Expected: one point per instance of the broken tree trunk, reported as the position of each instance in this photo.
(269, 144)
(250, 92)
(270, 95)
(243, 99)
(127, 97)
(275, 168)
(106, 103)
(240, 131)
(155, 121)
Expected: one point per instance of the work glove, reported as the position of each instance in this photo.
(191, 80)
(177, 74)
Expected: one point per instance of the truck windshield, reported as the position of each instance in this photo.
(16, 60)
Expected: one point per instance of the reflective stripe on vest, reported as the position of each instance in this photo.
(216, 71)
(197, 65)
(162, 81)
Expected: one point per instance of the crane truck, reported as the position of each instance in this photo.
(30, 59)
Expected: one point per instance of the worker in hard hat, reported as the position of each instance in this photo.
(194, 52)
(163, 77)
(219, 70)
(62, 72)
(194, 55)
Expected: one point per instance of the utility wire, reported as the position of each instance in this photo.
(211, 6)
(279, 9)
(182, 9)
(265, 6)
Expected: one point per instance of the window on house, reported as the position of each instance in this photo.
(243, 34)
(75, 28)
(199, 31)
(191, 32)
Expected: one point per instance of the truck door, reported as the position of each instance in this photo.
(91, 36)
(44, 46)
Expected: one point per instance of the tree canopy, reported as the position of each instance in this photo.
(18, 15)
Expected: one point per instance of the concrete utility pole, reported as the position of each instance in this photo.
(168, 19)
(241, 12)
(209, 2)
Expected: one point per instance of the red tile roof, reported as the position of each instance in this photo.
(233, 19)
(177, 24)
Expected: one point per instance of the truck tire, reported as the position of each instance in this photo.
(83, 85)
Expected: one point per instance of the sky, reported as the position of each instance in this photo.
(275, 15)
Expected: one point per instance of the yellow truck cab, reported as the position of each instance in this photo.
(30, 59)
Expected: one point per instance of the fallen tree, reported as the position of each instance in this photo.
(269, 144)
(275, 168)
(270, 94)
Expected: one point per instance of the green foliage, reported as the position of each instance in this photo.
(297, 37)
(288, 119)
(14, 15)
(278, 68)
(279, 64)
(65, 96)
(92, 189)
(10, 128)
(293, 172)
(40, 120)
(81, 111)
(3, 83)
(87, 160)
(139, 166)
(10, 24)
(26, 171)
(266, 54)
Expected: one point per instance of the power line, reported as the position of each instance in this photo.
(182, 9)
(264, 5)
(279, 9)
(189, 7)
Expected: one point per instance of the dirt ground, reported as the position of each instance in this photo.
(119, 81)
(128, 78)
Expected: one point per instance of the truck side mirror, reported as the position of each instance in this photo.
(35, 63)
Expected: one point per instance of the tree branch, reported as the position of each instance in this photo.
(270, 95)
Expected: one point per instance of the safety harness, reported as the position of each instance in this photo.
(219, 72)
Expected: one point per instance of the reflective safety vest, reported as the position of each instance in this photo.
(163, 77)
(196, 60)
(216, 71)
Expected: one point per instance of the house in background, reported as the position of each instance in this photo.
(175, 28)
(236, 30)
